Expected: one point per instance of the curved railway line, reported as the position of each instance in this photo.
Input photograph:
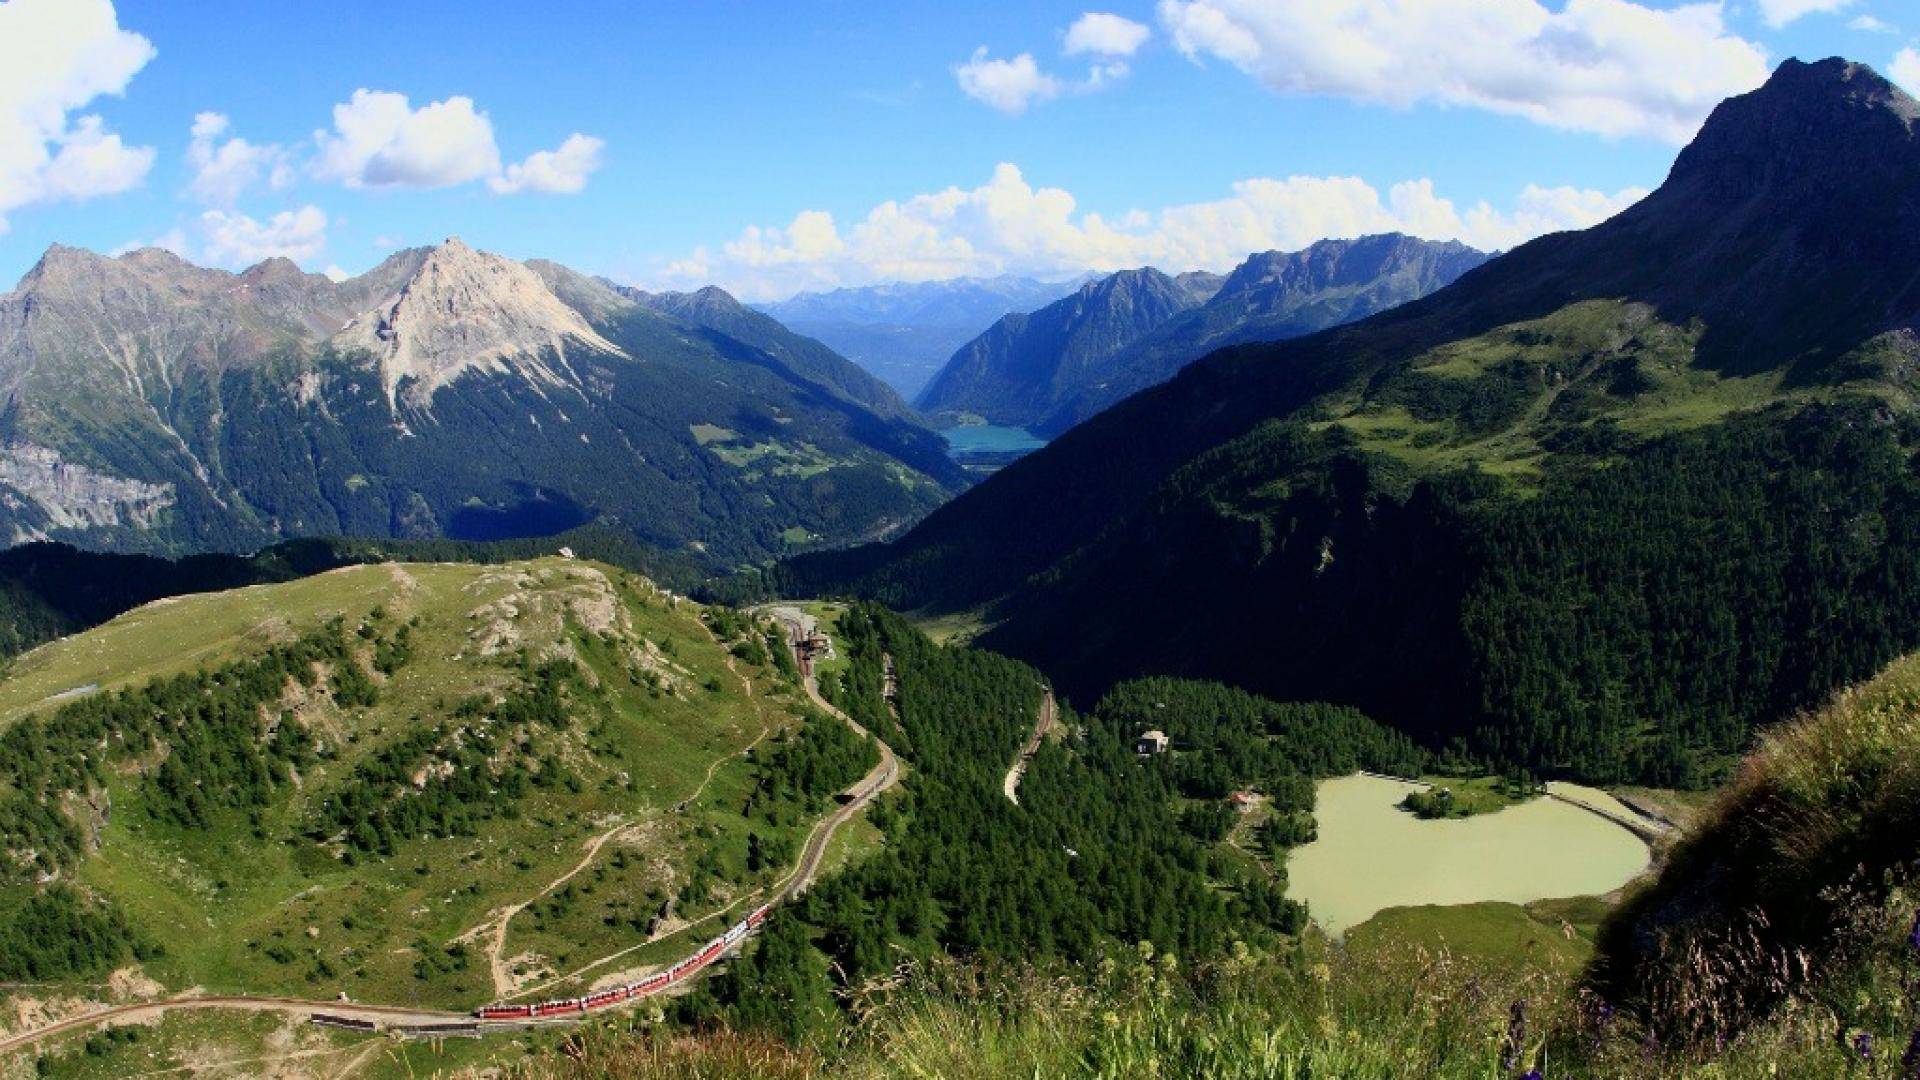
(1049, 716)
(433, 1022)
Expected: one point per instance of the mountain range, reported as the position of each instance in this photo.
(1601, 506)
(904, 331)
(158, 406)
(1055, 367)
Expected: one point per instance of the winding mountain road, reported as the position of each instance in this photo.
(1048, 718)
(806, 870)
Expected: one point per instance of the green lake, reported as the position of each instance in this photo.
(1372, 855)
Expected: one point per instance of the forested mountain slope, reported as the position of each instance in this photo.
(1054, 368)
(1025, 364)
(158, 406)
(1601, 506)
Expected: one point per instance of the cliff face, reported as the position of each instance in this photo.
(463, 311)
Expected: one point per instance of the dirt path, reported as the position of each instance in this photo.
(882, 776)
(1048, 718)
(806, 869)
(149, 1010)
(497, 940)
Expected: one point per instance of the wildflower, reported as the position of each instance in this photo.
(1863, 1045)
(1534, 1074)
(1516, 1037)
(1913, 939)
(1910, 1064)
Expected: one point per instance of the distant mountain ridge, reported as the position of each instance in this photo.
(1056, 367)
(158, 406)
(1020, 369)
(904, 331)
(1600, 507)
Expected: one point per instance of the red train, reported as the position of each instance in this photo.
(652, 984)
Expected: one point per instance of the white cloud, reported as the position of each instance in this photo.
(236, 240)
(1905, 70)
(1867, 24)
(1008, 226)
(225, 169)
(1007, 85)
(1011, 86)
(1605, 66)
(1778, 13)
(1103, 34)
(335, 274)
(55, 57)
(553, 172)
(379, 140)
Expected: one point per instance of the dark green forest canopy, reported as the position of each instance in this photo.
(1101, 851)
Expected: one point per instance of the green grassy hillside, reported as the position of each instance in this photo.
(422, 784)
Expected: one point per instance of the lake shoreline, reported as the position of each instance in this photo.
(1372, 855)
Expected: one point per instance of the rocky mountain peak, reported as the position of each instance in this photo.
(1810, 126)
(462, 310)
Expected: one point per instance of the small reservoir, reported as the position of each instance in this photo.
(1371, 855)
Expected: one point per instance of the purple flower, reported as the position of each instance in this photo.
(1863, 1045)
(1516, 1037)
(1534, 1074)
(1910, 1065)
(1913, 939)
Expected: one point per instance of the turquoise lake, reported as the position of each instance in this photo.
(988, 439)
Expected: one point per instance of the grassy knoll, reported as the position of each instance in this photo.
(632, 791)
(1553, 934)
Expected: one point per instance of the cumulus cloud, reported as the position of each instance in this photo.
(225, 168)
(1778, 13)
(234, 239)
(563, 171)
(1009, 226)
(55, 57)
(1605, 66)
(1103, 34)
(380, 141)
(1905, 70)
(1007, 85)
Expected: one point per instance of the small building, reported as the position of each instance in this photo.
(1151, 742)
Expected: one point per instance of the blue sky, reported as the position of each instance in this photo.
(751, 143)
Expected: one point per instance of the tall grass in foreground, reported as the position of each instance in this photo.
(1379, 1012)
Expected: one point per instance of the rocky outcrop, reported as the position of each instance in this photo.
(462, 311)
(45, 493)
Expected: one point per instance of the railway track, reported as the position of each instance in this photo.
(1049, 716)
(404, 1019)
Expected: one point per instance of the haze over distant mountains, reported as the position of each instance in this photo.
(156, 405)
(1660, 469)
(904, 332)
(1055, 367)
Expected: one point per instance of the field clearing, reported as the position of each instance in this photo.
(1556, 934)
